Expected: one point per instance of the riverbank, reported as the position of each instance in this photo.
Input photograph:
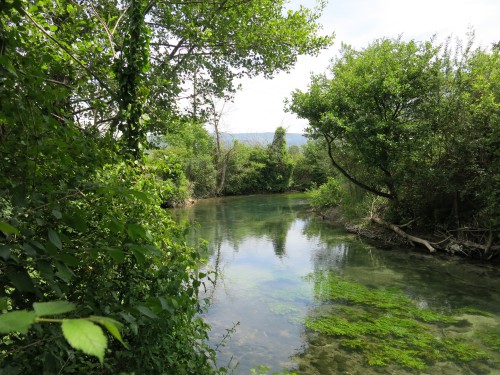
(389, 235)
(382, 236)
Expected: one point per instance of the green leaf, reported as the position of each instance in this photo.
(7, 64)
(146, 311)
(143, 197)
(136, 231)
(16, 321)
(57, 214)
(7, 228)
(4, 303)
(113, 326)
(85, 336)
(64, 272)
(21, 280)
(29, 250)
(53, 307)
(54, 239)
(5, 252)
(75, 221)
(117, 254)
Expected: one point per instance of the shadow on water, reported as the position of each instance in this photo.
(269, 252)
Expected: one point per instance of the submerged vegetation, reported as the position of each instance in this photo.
(388, 328)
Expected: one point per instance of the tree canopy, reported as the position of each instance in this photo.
(416, 123)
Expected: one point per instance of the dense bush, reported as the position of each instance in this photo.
(416, 124)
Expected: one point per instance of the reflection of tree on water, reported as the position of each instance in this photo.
(246, 222)
(230, 221)
(420, 275)
(278, 232)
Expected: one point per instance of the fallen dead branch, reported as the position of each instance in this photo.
(402, 233)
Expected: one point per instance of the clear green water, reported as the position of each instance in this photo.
(311, 298)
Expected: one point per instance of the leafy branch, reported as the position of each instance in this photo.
(84, 334)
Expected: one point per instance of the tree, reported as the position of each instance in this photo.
(279, 165)
(366, 112)
(89, 260)
(415, 123)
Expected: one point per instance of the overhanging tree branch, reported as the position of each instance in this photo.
(329, 140)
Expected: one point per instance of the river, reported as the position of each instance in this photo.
(306, 296)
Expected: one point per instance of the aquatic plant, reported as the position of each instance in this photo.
(387, 327)
(490, 338)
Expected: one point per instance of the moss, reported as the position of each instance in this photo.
(387, 327)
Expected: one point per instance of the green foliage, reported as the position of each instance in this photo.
(165, 170)
(81, 334)
(244, 170)
(278, 165)
(255, 169)
(86, 336)
(409, 122)
(103, 270)
(327, 195)
(311, 166)
(385, 325)
(82, 229)
(194, 147)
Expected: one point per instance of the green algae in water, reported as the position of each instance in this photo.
(387, 327)
(490, 338)
(472, 311)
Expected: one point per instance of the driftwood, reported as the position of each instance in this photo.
(402, 233)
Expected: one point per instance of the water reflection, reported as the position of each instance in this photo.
(263, 247)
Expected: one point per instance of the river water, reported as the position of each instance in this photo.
(280, 277)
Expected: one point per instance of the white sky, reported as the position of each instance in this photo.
(259, 106)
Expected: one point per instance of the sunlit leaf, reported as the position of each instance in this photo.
(113, 326)
(86, 336)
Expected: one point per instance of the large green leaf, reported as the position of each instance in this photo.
(16, 321)
(85, 336)
(53, 307)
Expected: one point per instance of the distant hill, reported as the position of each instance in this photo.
(264, 138)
